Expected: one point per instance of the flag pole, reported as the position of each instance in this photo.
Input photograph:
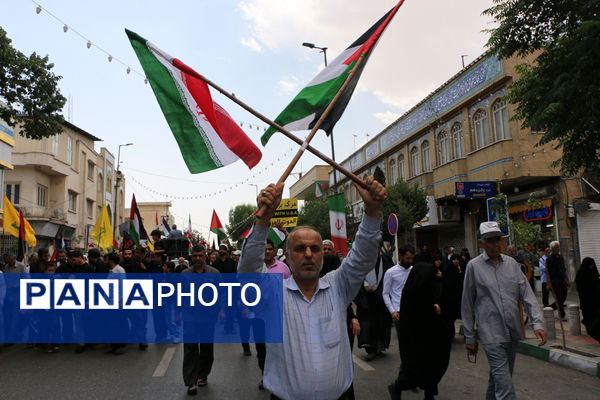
(287, 133)
(314, 130)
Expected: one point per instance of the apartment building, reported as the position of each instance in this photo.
(61, 182)
(463, 133)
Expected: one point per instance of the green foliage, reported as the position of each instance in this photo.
(240, 219)
(560, 91)
(30, 91)
(522, 232)
(197, 237)
(408, 202)
(315, 213)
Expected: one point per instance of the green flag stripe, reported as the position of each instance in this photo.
(193, 149)
(336, 203)
(308, 101)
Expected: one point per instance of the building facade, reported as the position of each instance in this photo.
(306, 183)
(151, 210)
(7, 143)
(61, 182)
(464, 132)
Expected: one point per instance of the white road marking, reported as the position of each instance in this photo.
(362, 364)
(163, 365)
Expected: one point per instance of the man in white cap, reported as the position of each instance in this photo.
(493, 287)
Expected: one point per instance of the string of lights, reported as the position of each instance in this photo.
(110, 57)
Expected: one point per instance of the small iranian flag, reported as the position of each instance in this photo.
(136, 227)
(307, 107)
(207, 136)
(319, 190)
(216, 227)
(337, 222)
(189, 232)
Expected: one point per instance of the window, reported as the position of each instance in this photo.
(72, 201)
(392, 172)
(401, 173)
(415, 158)
(42, 196)
(457, 140)
(55, 143)
(100, 184)
(13, 192)
(90, 171)
(426, 156)
(108, 178)
(500, 116)
(89, 205)
(69, 150)
(444, 147)
(482, 131)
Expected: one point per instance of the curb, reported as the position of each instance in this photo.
(567, 359)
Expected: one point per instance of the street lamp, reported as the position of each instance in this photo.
(312, 46)
(255, 186)
(118, 173)
(324, 51)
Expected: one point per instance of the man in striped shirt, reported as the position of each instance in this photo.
(314, 361)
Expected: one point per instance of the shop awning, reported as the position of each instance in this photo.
(522, 207)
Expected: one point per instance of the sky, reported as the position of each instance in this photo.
(252, 48)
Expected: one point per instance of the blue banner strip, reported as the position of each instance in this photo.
(141, 308)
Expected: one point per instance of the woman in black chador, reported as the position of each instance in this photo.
(424, 351)
(588, 287)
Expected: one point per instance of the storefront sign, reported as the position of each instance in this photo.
(480, 189)
(537, 214)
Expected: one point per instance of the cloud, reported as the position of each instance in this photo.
(419, 51)
(252, 44)
(387, 117)
(289, 85)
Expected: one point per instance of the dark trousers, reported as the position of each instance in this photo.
(258, 330)
(197, 361)
(545, 294)
(560, 295)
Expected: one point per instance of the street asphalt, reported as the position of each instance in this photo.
(27, 373)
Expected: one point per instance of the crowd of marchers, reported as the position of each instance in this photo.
(331, 302)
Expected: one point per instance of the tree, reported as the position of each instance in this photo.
(240, 220)
(30, 91)
(408, 202)
(197, 237)
(559, 92)
(315, 213)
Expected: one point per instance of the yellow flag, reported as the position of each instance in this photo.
(12, 222)
(150, 245)
(102, 232)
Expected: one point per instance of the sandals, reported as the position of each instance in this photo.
(202, 382)
(192, 390)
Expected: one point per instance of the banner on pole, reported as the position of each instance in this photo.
(287, 212)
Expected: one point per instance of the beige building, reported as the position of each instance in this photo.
(61, 182)
(318, 173)
(7, 142)
(463, 133)
(150, 210)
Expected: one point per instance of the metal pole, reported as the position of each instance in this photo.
(116, 202)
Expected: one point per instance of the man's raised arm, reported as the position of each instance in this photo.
(253, 253)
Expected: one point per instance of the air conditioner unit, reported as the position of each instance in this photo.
(449, 213)
(57, 213)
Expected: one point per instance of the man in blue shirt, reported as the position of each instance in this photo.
(314, 361)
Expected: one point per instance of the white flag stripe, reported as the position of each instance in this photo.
(334, 69)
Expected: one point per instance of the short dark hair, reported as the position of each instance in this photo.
(75, 253)
(94, 253)
(198, 247)
(269, 241)
(454, 257)
(61, 251)
(174, 226)
(42, 251)
(402, 250)
(114, 257)
(156, 232)
(171, 265)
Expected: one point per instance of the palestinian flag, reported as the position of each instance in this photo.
(217, 228)
(319, 190)
(136, 227)
(207, 136)
(165, 227)
(276, 236)
(189, 232)
(307, 107)
(337, 222)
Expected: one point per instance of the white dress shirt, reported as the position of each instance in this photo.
(393, 283)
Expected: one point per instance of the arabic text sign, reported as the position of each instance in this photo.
(287, 212)
(479, 189)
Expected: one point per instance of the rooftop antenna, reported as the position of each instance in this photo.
(462, 58)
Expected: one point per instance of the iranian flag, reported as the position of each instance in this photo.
(307, 107)
(136, 227)
(319, 190)
(207, 136)
(337, 222)
(216, 227)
